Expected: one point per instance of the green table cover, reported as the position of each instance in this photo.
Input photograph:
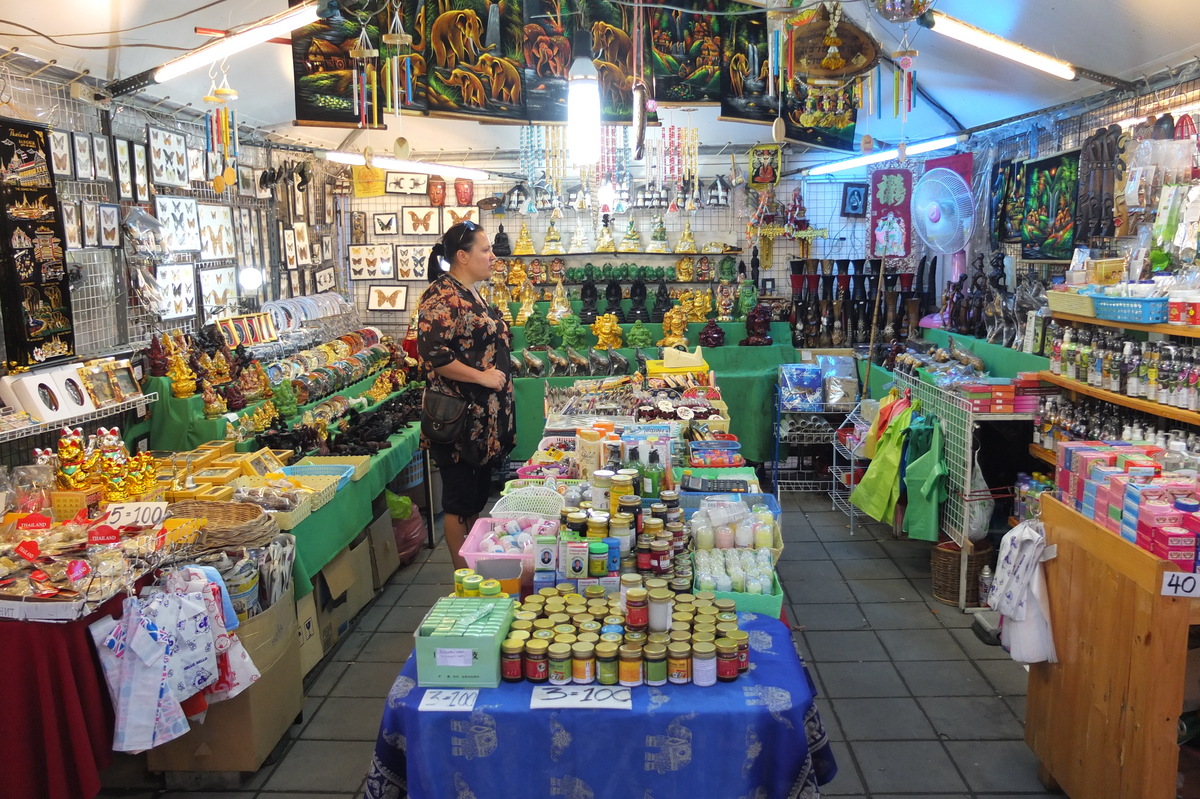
(746, 376)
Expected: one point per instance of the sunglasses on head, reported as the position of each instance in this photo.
(468, 228)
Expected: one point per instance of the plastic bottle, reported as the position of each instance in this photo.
(652, 476)
(985, 584)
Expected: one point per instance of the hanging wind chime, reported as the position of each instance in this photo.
(220, 129)
(365, 77)
(904, 78)
(397, 77)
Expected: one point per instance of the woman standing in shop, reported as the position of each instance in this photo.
(464, 345)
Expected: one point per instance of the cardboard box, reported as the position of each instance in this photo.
(308, 633)
(455, 648)
(342, 589)
(385, 559)
(238, 734)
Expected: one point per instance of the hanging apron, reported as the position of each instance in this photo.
(926, 482)
(876, 494)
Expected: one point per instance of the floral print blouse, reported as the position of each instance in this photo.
(453, 325)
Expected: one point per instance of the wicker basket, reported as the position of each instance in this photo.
(944, 564)
(1067, 302)
(228, 524)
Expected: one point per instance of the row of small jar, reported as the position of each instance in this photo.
(702, 663)
(718, 528)
(737, 570)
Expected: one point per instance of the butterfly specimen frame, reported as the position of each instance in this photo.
(216, 232)
(181, 219)
(141, 175)
(72, 231)
(84, 166)
(124, 168)
(60, 154)
(168, 157)
(387, 298)
(421, 220)
(177, 282)
(218, 292)
(372, 261)
(326, 279)
(110, 225)
(303, 247)
(102, 157)
(385, 224)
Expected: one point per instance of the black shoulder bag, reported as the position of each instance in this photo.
(443, 417)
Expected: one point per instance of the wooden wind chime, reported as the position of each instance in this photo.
(364, 77)
(904, 74)
(220, 129)
(397, 64)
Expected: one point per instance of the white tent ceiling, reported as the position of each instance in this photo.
(1127, 39)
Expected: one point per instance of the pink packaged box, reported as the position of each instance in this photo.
(1173, 537)
(1191, 522)
(1082, 462)
(1140, 493)
(1177, 556)
(1100, 511)
(1113, 525)
(1148, 529)
(1066, 450)
(1157, 513)
(1102, 472)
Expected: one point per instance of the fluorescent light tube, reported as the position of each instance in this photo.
(1005, 48)
(887, 155)
(255, 33)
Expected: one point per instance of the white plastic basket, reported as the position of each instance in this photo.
(534, 500)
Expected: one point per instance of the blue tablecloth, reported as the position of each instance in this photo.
(760, 736)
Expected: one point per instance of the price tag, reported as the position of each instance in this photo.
(454, 657)
(103, 534)
(1181, 584)
(602, 697)
(136, 514)
(29, 550)
(454, 699)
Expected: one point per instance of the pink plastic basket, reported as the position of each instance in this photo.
(470, 548)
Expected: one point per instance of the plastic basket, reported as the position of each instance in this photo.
(1066, 302)
(361, 463)
(342, 472)
(323, 488)
(559, 485)
(1139, 310)
(537, 472)
(470, 548)
(413, 474)
(289, 520)
(720, 453)
(534, 500)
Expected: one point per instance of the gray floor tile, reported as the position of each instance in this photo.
(330, 766)
(898, 590)
(921, 767)
(343, 718)
(847, 616)
(324, 682)
(950, 616)
(368, 622)
(392, 592)
(351, 645)
(312, 704)
(977, 649)
(797, 532)
(848, 550)
(1007, 677)
(921, 645)
(1017, 705)
(907, 548)
(827, 647)
(367, 679)
(808, 570)
(900, 616)
(915, 568)
(402, 619)
(440, 573)
(833, 729)
(847, 781)
(805, 550)
(854, 680)
(806, 592)
(869, 569)
(997, 766)
(944, 678)
(424, 595)
(390, 647)
(972, 718)
(895, 719)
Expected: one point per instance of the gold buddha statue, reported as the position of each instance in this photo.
(674, 326)
(608, 331)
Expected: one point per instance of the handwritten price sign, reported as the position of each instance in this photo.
(453, 699)
(1180, 584)
(603, 697)
(136, 514)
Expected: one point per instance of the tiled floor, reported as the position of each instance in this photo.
(915, 704)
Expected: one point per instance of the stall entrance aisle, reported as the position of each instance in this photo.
(915, 705)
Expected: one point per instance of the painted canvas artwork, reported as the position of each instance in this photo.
(1048, 223)
(686, 53)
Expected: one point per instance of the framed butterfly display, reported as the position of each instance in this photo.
(177, 282)
(411, 263)
(303, 248)
(60, 154)
(326, 248)
(421, 220)
(326, 279)
(218, 292)
(245, 227)
(195, 161)
(216, 232)
(102, 157)
(405, 183)
(180, 217)
(90, 213)
(358, 227)
(72, 232)
(168, 157)
(110, 225)
(141, 176)
(213, 165)
(385, 224)
(372, 262)
(85, 169)
(387, 298)
(465, 213)
(245, 181)
(327, 204)
(289, 248)
(123, 168)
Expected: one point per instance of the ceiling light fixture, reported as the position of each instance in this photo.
(583, 104)
(398, 165)
(887, 155)
(966, 33)
(216, 50)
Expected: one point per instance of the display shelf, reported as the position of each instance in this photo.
(823, 437)
(18, 433)
(617, 255)
(1145, 406)
(793, 481)
(845, 464)
(1042, 454)
(1187, 331)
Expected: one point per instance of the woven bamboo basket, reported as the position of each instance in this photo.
(944, 564)
(229, 524)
